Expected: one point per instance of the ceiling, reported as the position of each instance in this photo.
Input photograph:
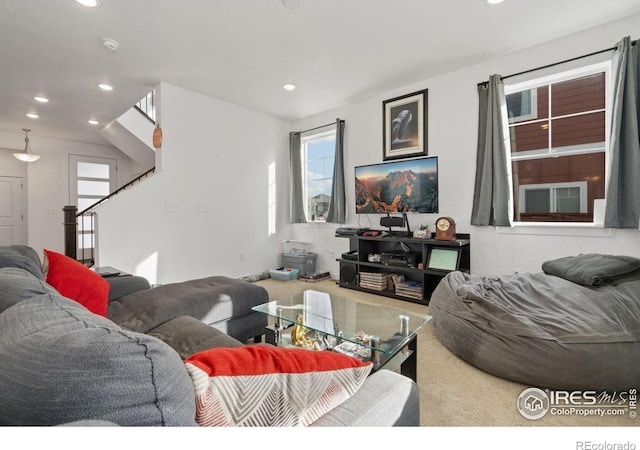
(243, 51)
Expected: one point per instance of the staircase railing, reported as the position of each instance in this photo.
(147, 106)
(82, 225)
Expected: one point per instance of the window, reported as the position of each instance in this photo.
(553, 197)
(522, 105)
(558, 144)
(90, 180)
(94, 180)
(318, 154)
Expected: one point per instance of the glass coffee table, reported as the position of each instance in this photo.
(319, 321)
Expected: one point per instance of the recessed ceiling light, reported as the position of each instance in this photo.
(291, 4)
(105, 87)
(41, 99)
(32, 115)
(289, 86)
(110, 44)
(89, 3)
(93, 122)
(494, 2)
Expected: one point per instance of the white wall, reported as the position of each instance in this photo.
(452, 132)
(205, 211)
(48, 182)
(12, 167)
(132, 133)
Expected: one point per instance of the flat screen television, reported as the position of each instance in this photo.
(408, 186)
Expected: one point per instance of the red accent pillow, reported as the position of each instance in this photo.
(73, 280)
(271, 386)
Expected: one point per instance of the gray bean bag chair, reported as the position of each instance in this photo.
(574, 326)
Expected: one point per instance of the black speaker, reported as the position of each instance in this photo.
(348, 274)
(392, 221)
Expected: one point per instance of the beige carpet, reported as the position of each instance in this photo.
(452, 392)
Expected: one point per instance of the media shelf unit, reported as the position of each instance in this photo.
(421, 253)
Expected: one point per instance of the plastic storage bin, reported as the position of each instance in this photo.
(296, 248)
(305, 264)
(283, 274)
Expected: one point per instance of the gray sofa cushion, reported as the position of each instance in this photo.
(209, 299)
(22, 257)
(17, 285)
(124, 285)
(27, 251)
(60, 363)
(388, 398)
(244, 327)
(187, 335)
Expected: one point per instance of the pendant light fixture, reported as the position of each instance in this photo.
(27, 155)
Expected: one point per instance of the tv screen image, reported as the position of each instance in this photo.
(408, 186)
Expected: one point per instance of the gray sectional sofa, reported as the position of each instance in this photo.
(61, 364)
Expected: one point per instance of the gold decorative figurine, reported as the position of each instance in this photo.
(299, 334)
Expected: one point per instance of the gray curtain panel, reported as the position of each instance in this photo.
(296, 207)
(337, 205)
(492, 193)
(623, 189)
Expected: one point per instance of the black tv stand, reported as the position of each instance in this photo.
(371, 273)
(405, 220)
(400, 234)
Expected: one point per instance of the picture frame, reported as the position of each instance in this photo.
(446, 259)
(404, 126)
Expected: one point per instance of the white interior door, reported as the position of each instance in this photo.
(11, 215)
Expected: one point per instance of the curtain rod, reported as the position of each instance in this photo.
(321, 126)
(558, 63)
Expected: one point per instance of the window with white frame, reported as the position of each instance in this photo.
(557, 127)
(90, 180)
(522, 105)
(318, 155)
(553, 197)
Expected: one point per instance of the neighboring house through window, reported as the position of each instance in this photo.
(559, 144)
